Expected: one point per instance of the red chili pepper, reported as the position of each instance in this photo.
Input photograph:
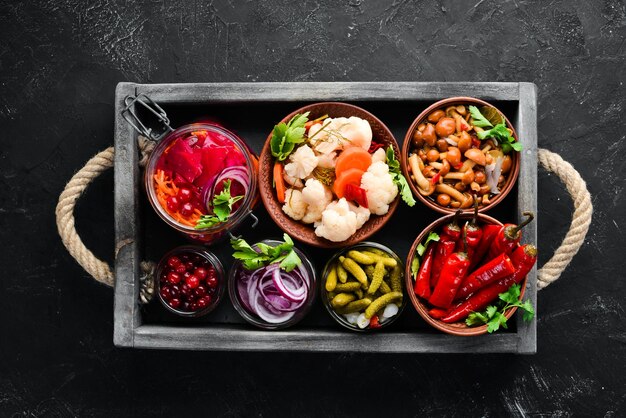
(494, 270)
(489, 233)
(422, 282)
(451, 277)
(435, 178)
(374, 322)
(475, 141)
(437, 313)
(508, 237)
(445, 247)
(525, 255)
(473, 233)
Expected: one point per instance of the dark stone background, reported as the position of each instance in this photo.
(59, 64)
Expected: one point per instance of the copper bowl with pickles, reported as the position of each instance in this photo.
(460, 149)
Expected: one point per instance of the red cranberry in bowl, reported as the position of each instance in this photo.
(190, 281)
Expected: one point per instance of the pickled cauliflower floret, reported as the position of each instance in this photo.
(294, 206)
(379, 155)
(362, 214)
(327, 160)
(340, 133)
(303, 162)
(379, 187)
(317, 197)
(338, 222)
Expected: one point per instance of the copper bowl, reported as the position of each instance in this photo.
(457, 328)
(303, 232)
(406, 148)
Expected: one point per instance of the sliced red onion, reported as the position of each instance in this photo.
(273, 294)
(235, 173)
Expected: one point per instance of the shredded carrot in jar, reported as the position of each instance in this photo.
(164, 187)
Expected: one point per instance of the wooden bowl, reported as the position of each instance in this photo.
(303, 232)
(457, 328)
(406, 148)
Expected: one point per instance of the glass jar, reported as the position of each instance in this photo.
(341, 319)
(237, 292)
(184, 262)
(214, 156)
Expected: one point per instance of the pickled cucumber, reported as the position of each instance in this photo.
(360, 257)
(342, 274)
(387, 261)
(348, 287)
(356, 306)
(331, 280)
(384, 287)
(377, 280)
(395, 279)
(358, 293)
(342, 299)
(353, 268)
(381, 302)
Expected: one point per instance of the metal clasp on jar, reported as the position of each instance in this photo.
(130, 114)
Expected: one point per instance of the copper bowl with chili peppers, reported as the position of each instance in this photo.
(461, 264)
(460, 149)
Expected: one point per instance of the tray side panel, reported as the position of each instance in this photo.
(335, 91)
(527, 201)
(247, 339)
(126, 315)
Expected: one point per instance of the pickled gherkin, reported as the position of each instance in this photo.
(355, 306)
(331, 280)
(353, 268)
(381, 302)
(342, 274)
(395, 279)
(377, 280)
(387, 261)
(384, 287)
(348, 287)
(361, 257)
(342, 299)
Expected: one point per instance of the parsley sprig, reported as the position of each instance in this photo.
(494, 317)
(287, 135)
(264, 254)
(222, 206)
(499, 131)
(419, 252)
(398, 178)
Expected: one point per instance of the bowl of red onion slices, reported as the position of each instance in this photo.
(271, 284)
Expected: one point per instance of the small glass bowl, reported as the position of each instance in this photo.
(253, 318)
(199, 254)
(324, 294)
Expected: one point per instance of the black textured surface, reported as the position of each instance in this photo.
(59, 63)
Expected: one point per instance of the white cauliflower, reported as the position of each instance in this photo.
(362, 214)
(379, 187)
(303, 162)
(340, 133)
(317, 197)
(379, 155)
(294, 206)
(292, 181)
(338, 222)
(327, 160)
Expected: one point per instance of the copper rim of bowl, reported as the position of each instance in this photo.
(306, 233)
(457, 328)
(406, 147)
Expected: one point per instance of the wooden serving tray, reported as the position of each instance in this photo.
(251, 110)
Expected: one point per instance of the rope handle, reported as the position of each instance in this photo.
(99, 270)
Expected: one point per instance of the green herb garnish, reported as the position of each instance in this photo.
(498, 132)
(494, 317)
(252, 259)
(398, 178)
(286, 135)
(420, 250)
(222, 206)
